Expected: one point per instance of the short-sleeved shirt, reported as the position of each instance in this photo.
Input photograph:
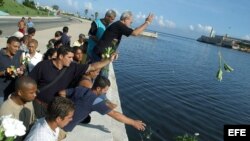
(41, 131)
(45, 72)
(114, 31)
(24, 113)
(7, 82)
(65, 39)
(95, 25)
(85, 102)
(30, 24)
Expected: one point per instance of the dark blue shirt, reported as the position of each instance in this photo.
(45, 72)
(7, 82)
(65, 39)
(85, 102)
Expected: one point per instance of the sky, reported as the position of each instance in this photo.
(186, 17)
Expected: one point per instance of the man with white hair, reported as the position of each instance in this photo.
(96, 31)
(117, 29)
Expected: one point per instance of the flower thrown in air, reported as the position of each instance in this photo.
(219, 74)
(228, 68)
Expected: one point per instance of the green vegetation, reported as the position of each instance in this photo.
(14, 8)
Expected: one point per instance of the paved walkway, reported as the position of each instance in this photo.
(44, 36)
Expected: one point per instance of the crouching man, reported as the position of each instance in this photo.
(88, 100)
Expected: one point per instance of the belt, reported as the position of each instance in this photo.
(45, 105)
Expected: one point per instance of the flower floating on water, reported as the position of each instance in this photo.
(10, 128)
(196, 134)
(187, 137)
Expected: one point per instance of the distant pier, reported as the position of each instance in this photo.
(228, 42)
(149, 34)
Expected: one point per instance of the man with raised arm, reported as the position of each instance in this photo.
(57, 74)
(115, 31)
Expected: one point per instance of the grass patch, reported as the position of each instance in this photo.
(14, 8)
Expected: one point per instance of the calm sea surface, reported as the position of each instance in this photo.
(170, 84)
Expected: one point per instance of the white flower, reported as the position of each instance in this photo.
(108, 52)
(12, 127)
(196, 134)
(25, 58)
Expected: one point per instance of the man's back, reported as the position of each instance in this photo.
(85, 102)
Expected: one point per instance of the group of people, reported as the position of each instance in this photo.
(61, 88)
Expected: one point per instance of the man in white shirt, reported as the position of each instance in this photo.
(60, 113)
(80, 41)
(33, 56)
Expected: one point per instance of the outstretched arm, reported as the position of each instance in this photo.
(139, 125)
(142, 27)
(101, 64)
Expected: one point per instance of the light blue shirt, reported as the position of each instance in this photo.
(91, 43)
(30, 24)
(41, 131)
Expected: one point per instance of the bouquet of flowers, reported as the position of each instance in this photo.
(110, 50)
(227, 68)
(10, 128)
(12, 71)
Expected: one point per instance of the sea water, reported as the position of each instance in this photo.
(170, 83)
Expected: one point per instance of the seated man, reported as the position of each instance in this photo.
(88, 100)
(60, 113)
(19, 104)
